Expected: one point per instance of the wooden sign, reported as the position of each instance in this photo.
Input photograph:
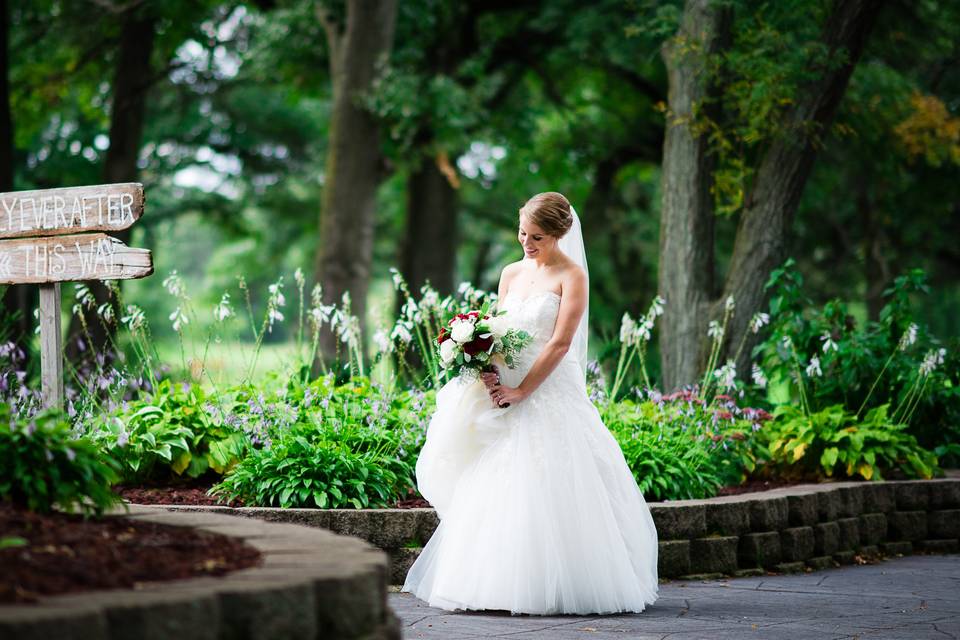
(52, 246)
(88, 256)
(49, 212)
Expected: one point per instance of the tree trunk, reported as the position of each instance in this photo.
(764, 229)
(354, 166)
(18, 301)
(686, 271)
(429, 246)
(130, 84)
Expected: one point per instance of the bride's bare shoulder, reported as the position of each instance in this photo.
(574, 276)
(511, 270)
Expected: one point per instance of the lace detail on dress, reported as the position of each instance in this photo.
(537, 315)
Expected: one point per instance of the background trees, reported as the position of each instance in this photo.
(702, 143)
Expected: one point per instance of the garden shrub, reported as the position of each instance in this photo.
(172, 429)
(679, 447)
(42, 466)
(862, 366)
(298, 472)
(833, 442)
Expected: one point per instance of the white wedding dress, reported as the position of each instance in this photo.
(538, 510)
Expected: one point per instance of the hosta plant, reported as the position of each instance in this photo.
(832, 442)
(43, 466)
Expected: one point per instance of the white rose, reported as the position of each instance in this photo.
(461, 331)
(498, 326)
(448, 351)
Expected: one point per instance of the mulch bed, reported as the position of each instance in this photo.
(195, 493)
(65, 553)
(757, 484)
(172, 495)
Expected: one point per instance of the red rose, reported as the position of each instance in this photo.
(477, 345)
(443, 336)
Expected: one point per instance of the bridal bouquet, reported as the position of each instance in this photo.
(470, 339)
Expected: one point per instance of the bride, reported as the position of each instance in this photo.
(538, 510)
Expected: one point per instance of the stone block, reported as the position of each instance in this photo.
(709, 555)
(950, 545)
(796, 543)
(802, 509)
(896, 548)
(262, 611)
(52, 623)
(351, 606)
(944, 494)
(759, 549)
(673, 558)
(869, 550)
(727, 518)
(790, 567)
(768, 514)
(912, 495)
(318, 518)
(827, 505)
(944, 523)
(873, 528)
(427, 523)
(826, 538)
(907, 525)
(849, 501)
(679, 522)
(149, 615)
(383, 528)
(400, 562)
(849, 533)
(747, 573)
(820, 562)
(879, 497)
(845, 557)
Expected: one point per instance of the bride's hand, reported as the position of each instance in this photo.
(502, 395)
(490, 379)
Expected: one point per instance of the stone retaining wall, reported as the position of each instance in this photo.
(311, 584)
(815, 525)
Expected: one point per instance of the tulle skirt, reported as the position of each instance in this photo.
(538, 510)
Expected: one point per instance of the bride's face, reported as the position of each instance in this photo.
(535, 242)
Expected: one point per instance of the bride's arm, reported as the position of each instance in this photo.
(572, 304)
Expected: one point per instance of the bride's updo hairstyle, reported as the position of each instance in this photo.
(550, 211)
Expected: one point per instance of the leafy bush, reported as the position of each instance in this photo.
(42, 465)
(830, 359)
(679, 447)
(339, 445)
(173, 429)
(296, 472)
(833, 442)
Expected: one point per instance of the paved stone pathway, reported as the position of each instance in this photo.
(910, 598)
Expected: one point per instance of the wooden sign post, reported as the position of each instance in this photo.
(56, 235)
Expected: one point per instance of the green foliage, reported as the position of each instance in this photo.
(173, 428)
(43, 467)
(301, 472)
(678, 447)
(340, 445)
(864, 365)
(832, 442)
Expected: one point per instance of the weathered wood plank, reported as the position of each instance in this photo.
(87, 256)
(50, 212)
(51, 346)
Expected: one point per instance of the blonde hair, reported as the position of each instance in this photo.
(550, 211)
